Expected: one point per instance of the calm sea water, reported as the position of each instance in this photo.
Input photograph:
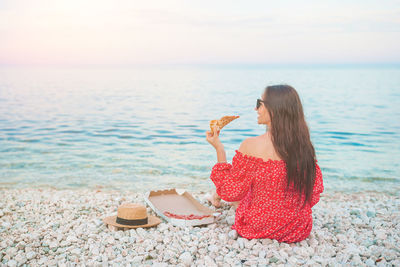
(143, 129)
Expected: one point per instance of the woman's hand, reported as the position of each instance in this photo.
(213, 138)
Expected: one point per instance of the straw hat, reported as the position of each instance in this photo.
(132, 215)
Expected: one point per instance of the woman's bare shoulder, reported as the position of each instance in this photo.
(250, 145)
(259, 147)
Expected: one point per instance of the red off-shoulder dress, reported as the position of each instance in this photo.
(267, 208)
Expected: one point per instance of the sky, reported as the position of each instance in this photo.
(130, 32)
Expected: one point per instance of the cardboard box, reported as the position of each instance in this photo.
(178, 201)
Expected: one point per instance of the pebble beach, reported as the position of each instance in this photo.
(52, 227)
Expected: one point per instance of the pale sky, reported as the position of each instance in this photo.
(129, 32)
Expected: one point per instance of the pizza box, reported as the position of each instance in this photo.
(181, 202)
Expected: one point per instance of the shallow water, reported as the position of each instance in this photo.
(145, 128)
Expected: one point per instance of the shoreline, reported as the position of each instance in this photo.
(45, 226)
(200, 191)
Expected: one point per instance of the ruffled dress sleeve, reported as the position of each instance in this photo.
(318, 185)
(233, 181)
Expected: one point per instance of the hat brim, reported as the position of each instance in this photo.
(152, 221)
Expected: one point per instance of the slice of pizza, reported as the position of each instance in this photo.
(221, 123)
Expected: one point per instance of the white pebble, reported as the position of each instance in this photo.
(222, 237)
(162, 227)
(186, 238)
(193, 250)
(249, 243)
(94, 250)
(6, 225)
(209, 261)
(233, 234)
(12, 263)
(240, 242)
(262, 262)
(76, 251)
(141, 232)
(110, 240)
(30, 255)
(262, 254)
(230, 220)
(137, 259)
(104, 258)
(380, 234)
(370, 262)
(21, 259)
(118, 235)
(53, 244)
(301, 251)
(352, 249)
(124, 239)
(72, 239)
(212, 248)
(186, 258)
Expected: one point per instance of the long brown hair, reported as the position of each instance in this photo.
(291, 137)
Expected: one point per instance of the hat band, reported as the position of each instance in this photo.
(131, 222)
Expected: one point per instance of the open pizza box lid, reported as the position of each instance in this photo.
(181, 202)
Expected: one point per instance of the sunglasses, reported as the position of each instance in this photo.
(259, 101)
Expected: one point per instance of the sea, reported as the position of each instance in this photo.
(143, 128)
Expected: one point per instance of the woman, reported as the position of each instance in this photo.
(275, 175)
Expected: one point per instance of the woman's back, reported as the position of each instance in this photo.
(260, 147)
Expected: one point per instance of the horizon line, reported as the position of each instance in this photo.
(237, 64)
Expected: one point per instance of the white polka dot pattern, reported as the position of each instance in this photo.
(267, 209)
